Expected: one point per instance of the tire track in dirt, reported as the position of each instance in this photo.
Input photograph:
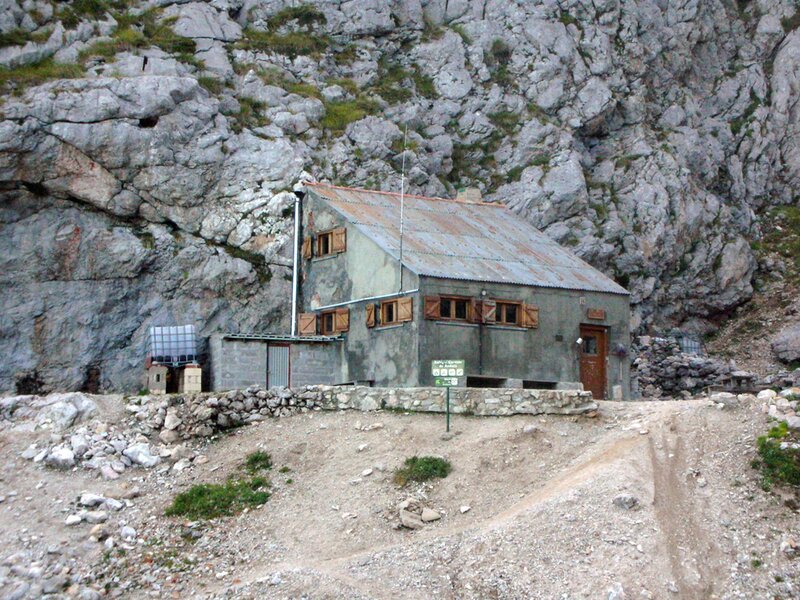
(565, 480)
(693, 557)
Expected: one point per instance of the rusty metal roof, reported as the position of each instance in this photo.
(457, 239)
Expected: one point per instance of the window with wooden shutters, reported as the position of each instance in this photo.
(388, 312)
(432, 307)
(324, 244)
(327, 323)
(454, 308)
(530, 316)
(370, 315)
(338, 240)
(307, 323)
(510, 313)
(307, 248)
(341, 320)
(405, 309)
(488, 311)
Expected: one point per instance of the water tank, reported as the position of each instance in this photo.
(176, 345)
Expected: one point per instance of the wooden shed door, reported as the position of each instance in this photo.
(593, 360)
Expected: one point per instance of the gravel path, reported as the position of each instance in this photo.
(657, 499)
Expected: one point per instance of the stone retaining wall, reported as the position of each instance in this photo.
(183, 416)
(477, 401)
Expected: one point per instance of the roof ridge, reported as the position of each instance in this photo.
(354, 189)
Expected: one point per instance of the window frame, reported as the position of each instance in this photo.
(501, 307)
(395, 314)
(328, 235)
(323, 316)
(454, 299)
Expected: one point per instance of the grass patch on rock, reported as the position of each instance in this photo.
(778, 462)
(338, 115)
(213, 500)
(422, 468)
(22, 77)
(291, 44)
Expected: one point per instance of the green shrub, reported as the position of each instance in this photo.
(347, 84)
(306, 16)
(515, 173)
(19, 78)
(143, 31)
(424, 84)
(459, 29)
(422, 468)
(791, 23)
(540, 160)
(347, 55)
(249, 116)
(212, 500)
(504, 120)
(500, 52)
(431, 31)
(778, 465)
(212, 84)
(15, 37)
(258, 461)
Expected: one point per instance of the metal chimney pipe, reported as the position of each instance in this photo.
(298, 211)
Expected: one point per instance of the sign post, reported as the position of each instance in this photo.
(446, 374)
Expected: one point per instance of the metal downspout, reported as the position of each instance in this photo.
(298, 197)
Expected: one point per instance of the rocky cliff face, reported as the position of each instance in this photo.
(147, 150)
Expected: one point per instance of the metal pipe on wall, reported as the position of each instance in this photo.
(298, 206)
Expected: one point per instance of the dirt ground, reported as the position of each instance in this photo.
(541, 522)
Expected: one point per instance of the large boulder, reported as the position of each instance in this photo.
(786, 344)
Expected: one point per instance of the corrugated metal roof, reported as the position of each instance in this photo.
(456, 239)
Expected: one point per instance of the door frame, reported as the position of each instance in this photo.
(288, 362)
(593, 327)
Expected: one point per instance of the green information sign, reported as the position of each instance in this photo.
(445, 374)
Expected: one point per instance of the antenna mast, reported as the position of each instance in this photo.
(402, 203)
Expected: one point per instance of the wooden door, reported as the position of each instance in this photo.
(594, 350)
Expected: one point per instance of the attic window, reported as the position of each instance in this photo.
(456, 309)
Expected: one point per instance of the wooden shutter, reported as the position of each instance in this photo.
(341, 320)
(405, 309)
(474, 310)
(370, 308)
(530, 316)
(339, 240)
(432, 307)
(308, 323)
(488, 311)
(307, 248)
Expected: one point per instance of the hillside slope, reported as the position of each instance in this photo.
(146, 150)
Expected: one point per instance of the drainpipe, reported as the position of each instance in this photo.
(298, 208)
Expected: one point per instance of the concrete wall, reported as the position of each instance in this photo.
(381, 355)
(238, 364)
(312, 364)
(528, 354)
(363, 270)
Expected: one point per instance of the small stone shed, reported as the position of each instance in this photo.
(464, 280)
